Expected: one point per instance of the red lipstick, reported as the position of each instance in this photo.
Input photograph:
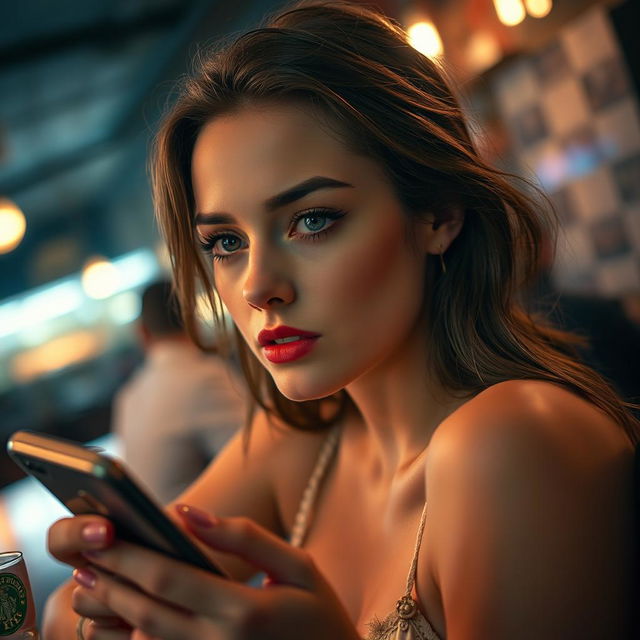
(286, 344)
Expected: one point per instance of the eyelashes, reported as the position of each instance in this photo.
(309, 226)
(208, 244)
(317, 221)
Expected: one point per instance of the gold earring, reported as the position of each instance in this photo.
(442, 264)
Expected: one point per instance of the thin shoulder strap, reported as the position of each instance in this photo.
(411, 578)
(301, 522)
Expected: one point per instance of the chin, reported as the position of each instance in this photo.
(302, 395)
(297, 389)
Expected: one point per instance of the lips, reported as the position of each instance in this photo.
(285, 344)
(283, 334)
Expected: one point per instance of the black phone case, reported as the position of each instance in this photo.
(86, 481)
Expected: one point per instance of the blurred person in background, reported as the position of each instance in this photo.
(181, 407)
(426, 461)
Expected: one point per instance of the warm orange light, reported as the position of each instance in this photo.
(483, 51)
(510, 12)
(100, 278)
(8, 539)
(56, 354)
(424, 37)
(538, 8)
(12, 225)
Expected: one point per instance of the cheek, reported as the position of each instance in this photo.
(230, 293)
(380, 274)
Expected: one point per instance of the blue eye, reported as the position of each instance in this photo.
(228, 243)
(314, 223)
(309, 225)
(221, 246)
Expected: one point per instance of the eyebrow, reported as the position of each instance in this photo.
(289, 196)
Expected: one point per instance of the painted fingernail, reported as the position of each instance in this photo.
(85, 577)
(95, 532)
(196, 516)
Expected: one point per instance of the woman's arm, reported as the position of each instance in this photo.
(529, 528)
(263, 483)
(234, 484)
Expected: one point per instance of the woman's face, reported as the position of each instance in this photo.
(310, 244)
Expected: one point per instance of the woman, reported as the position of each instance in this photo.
(370, 261)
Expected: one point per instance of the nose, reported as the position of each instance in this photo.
(267, 282)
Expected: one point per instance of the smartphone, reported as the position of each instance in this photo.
(87, 481)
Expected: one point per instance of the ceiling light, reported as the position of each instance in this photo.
(510, 12)
(424, 37)
(538, 8)
(12, 225)
(483, 51)
(100, 278)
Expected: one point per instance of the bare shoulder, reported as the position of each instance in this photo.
(535, 438)
(530, 493)
(531, 417)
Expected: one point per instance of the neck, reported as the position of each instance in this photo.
(400, 406)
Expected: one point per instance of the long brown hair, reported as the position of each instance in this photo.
(355, 68)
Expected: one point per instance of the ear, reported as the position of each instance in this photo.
(438, 232)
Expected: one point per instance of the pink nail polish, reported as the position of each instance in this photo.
(196, 516)
(85, 577)
(94, 532)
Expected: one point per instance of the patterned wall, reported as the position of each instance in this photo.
(574, 122)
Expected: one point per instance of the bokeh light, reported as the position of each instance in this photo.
(538, 8)
(63, 351)
(424, 37)
(12, 225)
(483, 51)
(100, 278)
(510, 12)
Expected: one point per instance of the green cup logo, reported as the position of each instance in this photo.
(13, 603)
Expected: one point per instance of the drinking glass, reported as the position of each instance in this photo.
(17, 611)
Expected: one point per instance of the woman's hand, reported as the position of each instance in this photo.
(68, 539)
(167, 599)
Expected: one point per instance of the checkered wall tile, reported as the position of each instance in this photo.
(575, 125)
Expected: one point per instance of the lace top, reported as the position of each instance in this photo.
(407, 622)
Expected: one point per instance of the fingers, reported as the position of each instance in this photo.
(93, 630)
(85, 604)
(138, 609)
(283, 563)
(163, 598)
(69, 537)
(231, 611)
(165, 578)
(141, 635)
